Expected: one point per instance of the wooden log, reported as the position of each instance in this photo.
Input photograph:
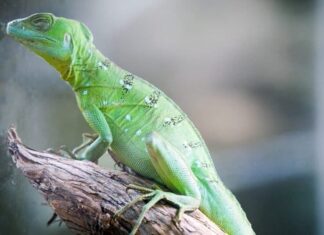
(86, 196)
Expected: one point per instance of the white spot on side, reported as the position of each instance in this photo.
(121, 82)
(67, 40)
(126, 130)
(167, 119)
(128, 117)
(139, 132)
(187, 147)
(102, 66)
(198, 164)
(147, 100)
(128, 87)
(85, 92)
(143, 139)
(105, 102)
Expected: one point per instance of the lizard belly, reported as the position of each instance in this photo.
(133, 154)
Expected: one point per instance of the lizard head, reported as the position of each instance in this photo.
(56, 39)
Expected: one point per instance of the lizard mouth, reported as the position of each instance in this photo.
(36, 41)
(26, 36)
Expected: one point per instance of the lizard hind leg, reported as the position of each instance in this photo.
(174, 173)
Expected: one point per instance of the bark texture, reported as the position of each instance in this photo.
(86, 196)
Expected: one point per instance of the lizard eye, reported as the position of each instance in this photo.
(42, 22)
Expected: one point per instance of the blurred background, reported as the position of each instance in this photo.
(244, 71)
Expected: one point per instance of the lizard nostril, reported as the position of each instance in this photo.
(13, 23)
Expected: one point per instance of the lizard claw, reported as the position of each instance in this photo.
(149, 193)
(139, 188)
(51, 150)
(64, 150)
(179, 215)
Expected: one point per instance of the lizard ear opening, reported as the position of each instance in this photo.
(86, 32)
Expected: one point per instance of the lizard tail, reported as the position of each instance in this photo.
(221, 206)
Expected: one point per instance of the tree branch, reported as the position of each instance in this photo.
(86, 196)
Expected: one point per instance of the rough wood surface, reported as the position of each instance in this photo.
(86, 196)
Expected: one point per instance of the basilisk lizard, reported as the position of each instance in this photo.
(143, 128)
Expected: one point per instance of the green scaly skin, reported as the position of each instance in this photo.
(143, 128)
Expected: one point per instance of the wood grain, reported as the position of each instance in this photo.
(86, 196)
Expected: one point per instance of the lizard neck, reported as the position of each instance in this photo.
(84, 65)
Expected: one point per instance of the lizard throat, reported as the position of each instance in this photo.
(84, 63)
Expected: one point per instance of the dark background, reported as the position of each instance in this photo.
(242, 70)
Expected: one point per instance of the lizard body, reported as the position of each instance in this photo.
(143, 128)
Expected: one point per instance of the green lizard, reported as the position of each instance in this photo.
(142, 127)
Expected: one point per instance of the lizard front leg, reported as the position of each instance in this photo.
(87, 139)
(100, 145)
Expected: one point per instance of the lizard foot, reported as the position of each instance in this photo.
(153, 196)
(53, 151)
(64, 150)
